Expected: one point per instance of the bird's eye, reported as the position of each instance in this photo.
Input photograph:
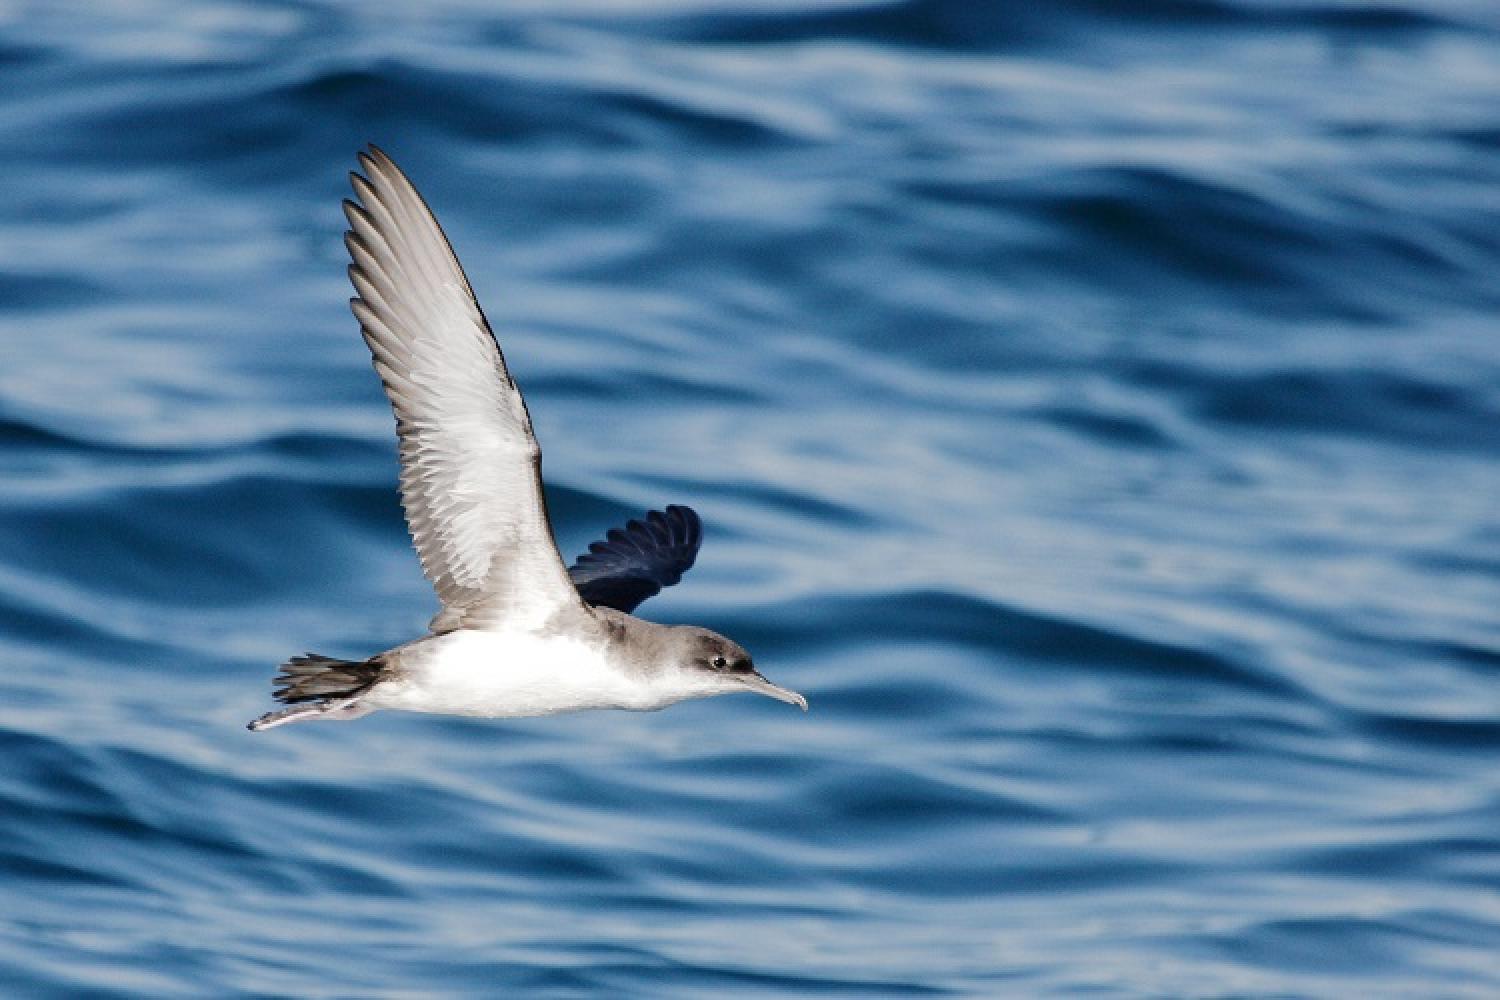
(720, 663)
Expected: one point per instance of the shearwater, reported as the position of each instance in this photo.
(518, 634)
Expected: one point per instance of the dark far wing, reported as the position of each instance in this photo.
(635, 562)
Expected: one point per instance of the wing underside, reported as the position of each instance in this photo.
(470, 465)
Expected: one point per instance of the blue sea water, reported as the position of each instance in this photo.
(1094, 407)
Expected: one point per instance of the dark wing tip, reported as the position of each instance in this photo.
(635, 562)
(355, 212)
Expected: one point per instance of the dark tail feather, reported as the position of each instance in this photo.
(311, 677)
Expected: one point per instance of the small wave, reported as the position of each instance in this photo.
(1120, 430)
(24, 292)
(208, 541)
(928, 617)
(963, 26)
(1400, 407)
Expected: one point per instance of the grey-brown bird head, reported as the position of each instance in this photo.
(716, 665)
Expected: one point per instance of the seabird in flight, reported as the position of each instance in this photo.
(518, 634)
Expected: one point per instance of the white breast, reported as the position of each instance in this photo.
(504, 675)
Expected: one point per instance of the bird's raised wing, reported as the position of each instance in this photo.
(470, 465)
(635, 562)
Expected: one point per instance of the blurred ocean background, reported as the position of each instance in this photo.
(1094, 407)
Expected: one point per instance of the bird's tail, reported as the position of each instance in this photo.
(320, 687)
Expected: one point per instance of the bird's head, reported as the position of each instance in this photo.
(711, 664)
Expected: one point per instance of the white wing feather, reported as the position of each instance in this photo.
(470, 465)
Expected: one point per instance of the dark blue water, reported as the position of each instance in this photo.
(1094, 407)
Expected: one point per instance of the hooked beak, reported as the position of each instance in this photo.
(755, 682)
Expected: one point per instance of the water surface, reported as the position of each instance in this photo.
(1093, 407)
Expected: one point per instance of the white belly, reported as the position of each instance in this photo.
(500, 675)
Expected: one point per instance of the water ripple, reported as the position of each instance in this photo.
(1091, 409)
